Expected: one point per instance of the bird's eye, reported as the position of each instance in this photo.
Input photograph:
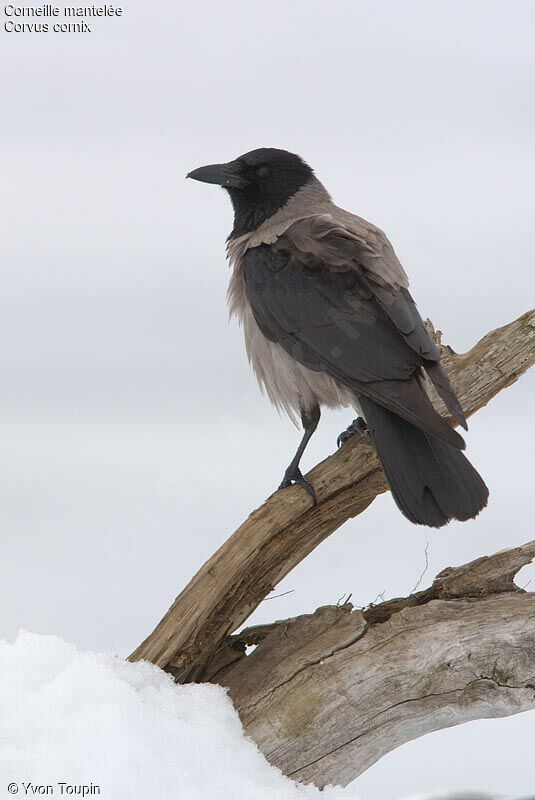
(262, 172)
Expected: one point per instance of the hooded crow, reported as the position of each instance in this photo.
(329, 321)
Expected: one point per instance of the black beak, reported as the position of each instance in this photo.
(221, 174)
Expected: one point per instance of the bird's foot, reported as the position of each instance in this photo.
(357, 426)
(294, 476)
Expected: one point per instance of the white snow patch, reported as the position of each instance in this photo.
(83, 718)
(453, 796)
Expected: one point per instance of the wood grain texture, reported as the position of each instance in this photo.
(285, 529)
(326, 695)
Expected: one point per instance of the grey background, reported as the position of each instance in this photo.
(134, 439)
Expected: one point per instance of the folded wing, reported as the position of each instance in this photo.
(333, 294)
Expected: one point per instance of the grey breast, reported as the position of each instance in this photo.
(290, 386)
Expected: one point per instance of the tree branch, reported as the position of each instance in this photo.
(285, 529)
(326, 695)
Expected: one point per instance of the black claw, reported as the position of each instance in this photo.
(357, 426)
(296, 477)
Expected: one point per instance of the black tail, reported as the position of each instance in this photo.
(431, 481)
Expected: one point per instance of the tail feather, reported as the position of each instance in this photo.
(431, 481)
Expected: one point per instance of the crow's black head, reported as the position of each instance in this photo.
(259, 183)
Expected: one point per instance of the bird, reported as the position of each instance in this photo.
(329, 322)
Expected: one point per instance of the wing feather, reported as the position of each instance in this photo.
(334, 296)
(330, 319)
(344, 242)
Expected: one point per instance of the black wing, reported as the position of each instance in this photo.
(341, 241)
(362, 332)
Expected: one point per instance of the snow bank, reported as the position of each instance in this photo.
(75, 719)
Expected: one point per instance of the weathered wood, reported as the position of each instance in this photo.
(326, 695)
(285, 529)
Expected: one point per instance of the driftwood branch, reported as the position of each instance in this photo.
(285, 529)
(327, 694)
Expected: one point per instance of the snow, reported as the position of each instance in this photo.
(79, 719)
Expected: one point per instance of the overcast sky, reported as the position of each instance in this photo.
(134, 438)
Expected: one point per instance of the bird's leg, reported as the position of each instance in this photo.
(357, 426)
(293, 474)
